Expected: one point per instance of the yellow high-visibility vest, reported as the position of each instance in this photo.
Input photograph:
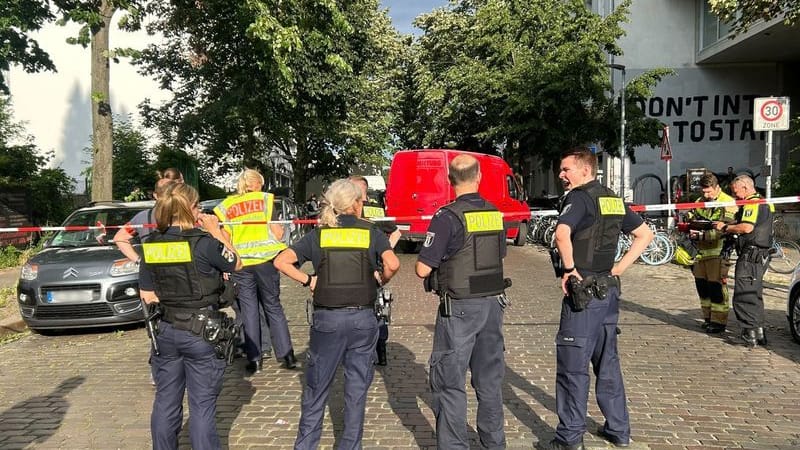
(255, 243)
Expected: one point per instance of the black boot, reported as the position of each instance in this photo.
(749, 337)
(761, 336)
(715, 328)
(380, 349)
(255, 366)
(557, 444)
(289, 361)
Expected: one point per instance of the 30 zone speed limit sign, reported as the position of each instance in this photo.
(771, 114)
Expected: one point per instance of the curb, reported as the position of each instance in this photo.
(11, 325)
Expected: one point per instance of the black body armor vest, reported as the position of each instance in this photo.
(476, 269)
(345, 276)
(761, 236)
(178, 283)
(594, 248)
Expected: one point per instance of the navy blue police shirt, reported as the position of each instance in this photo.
(308, 248)
(210, 257)
(445, 234)
(580, 212)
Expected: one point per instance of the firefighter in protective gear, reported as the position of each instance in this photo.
(710, 270)
(258, 282)
(754, 229)
(465, 246)
(586, 237)
(345, 251)
(373, 210)
(181, 271)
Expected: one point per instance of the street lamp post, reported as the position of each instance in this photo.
(623, 154)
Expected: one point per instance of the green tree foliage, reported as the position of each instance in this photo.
(18, 18)
(742, 14)
(23, 168)
(528, 76)
(136, 164)
(308, 80)
(132, 158)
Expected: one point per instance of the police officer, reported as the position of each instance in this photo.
(462, 260)
(344, 252)
(754, 228)
(373, 210)
(710, 269)
(125, 234)
(258, 281)
(586, 237)
(181, 271)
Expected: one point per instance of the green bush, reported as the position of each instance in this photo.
(10, 257)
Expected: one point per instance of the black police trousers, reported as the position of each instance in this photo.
(470, 338)
(748, 300)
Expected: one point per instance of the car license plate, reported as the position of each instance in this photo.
(71, 296)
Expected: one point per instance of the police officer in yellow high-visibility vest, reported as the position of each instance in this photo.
(754, 229)
(465, 246)
(257, 245)
(710, 270)
(344, 251)
(181, 270)
(372, 211)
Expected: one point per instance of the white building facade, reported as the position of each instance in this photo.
(708, 103)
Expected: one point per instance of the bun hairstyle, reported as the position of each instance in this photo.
(249, 176)
(176, 207)
(340, 198)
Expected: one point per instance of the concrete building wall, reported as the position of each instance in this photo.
(709, 107)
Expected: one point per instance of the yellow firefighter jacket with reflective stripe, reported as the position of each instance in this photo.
(711, 246)
(255, 243)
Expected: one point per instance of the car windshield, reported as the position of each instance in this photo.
(93, 238)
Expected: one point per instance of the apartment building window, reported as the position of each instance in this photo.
(712, 30)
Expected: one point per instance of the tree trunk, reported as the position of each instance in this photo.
(300, 172)
(102, 173)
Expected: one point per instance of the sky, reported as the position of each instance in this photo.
(403, 12)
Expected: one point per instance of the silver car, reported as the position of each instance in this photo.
(80, 278)
(793, 304)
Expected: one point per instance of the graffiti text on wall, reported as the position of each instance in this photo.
(719, 117)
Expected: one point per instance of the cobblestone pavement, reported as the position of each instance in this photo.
(685, 389)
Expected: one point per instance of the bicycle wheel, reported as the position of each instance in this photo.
(622, 247)
(657, 252)
(786, 256)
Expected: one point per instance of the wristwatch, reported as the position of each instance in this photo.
(568, 269)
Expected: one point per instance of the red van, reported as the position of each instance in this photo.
(418, 186)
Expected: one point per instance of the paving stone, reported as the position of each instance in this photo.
(686, 389)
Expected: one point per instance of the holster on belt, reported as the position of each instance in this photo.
(215, 327)
(753, 254)
(581, 292)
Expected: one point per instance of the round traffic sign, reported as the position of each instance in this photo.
(771, 110)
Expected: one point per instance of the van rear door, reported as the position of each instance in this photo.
(418, 186)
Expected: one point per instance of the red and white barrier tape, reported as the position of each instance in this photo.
(549, 212)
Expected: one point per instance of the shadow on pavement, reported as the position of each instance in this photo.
(779, 337)
(236, 392)
(25, 423)
(402, 372)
